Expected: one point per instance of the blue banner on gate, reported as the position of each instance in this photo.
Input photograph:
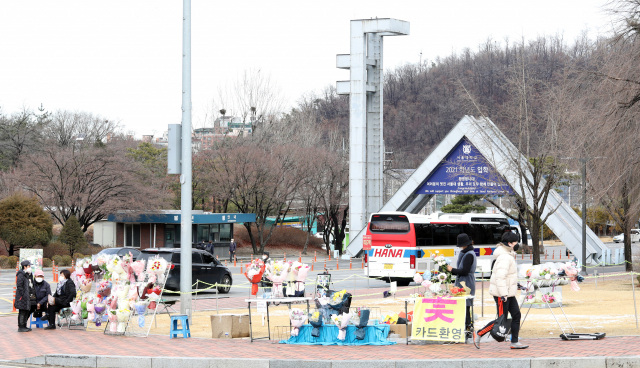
(465, 171)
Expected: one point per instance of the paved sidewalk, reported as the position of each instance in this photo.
(14, 345)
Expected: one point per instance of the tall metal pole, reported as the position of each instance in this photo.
(584, 215)
(185, 178)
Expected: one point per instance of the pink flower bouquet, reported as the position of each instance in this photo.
(91, 310)
(138, 268)
(303, 270)
(298, 318)
(343, 326)
(113, 321)
(572, 272)
(76, 308)
(277, 273)
(85, 284)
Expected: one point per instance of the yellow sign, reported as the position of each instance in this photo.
(438, 252)
(438, 319)
(388, 266)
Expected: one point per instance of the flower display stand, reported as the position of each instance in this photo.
(537, 302)
(139, 324)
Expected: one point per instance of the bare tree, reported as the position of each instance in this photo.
(19, 133)
(84, 181)
(70, 127)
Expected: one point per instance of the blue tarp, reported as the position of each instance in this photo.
(375, 335)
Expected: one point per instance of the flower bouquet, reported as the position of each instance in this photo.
(297, 320)
(253, 273)
(277, 273)
(133, 293)
(104, 288)
(99, 309)
(123, 318)
(138, 268)
(76, 308)
(303, 270)
(141, 308)
(86, 266)
(91, 311)
(548, 298)
(316, 321)
(418, 279)
(113, 321)
(291, 278)
(342, 321)
(154, 296)
(363, 315)
(85, 283)
(336, 301)
(571, 270)
(155, 269)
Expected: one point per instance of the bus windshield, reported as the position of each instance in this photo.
(389, 224)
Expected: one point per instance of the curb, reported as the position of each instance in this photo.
(99, 361)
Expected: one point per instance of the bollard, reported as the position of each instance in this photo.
(325, 264)
(73, 264)
(337, 264)
(329, 255)
(312, 266)
(285, 256)
(522, 255)
(553, 255)
(216, 256)
(363, 263)
(315, 256)
(234, 261)
(350, 266)
(546, 253)
(252, 256)
(300, 259)
(53, 270)
(241, 269)
(225, 263)
(17, 269)
(14, 300)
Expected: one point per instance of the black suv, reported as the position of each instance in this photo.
(203, 267)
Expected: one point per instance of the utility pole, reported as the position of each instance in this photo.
(185, 177)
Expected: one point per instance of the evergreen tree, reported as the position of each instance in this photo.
(72, 235)
(23, 223)
(463, 204)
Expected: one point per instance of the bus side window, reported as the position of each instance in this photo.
(440, 234)
(424, 234)
(454, 231)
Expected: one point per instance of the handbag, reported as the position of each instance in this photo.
(502, 324)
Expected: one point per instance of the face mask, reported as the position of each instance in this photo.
(28, 270)
(39, 279)
(516, 247)
(61, 278)
(264, 257)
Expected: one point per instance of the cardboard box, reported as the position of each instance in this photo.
(229, 326)
(400, 330)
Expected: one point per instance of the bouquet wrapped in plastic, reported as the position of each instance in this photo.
(253, 273)
(571, 270)
(84, 283)
(156, 268)
(342, 321)
(362, 323)
(138, 268)
(100, 309)
(133, 293)
(339, 299)
(277, 273)
(153, 296)
(316, 321)
(303, 270)
(291, 278)
(113, 321)
(123, 318)
(104, 288)
(298, 318)
(91, 311)
(76, 308)
(442, 275)
(141, 307)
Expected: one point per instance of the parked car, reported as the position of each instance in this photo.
(635, 236)
(204, 267)
(121, 251)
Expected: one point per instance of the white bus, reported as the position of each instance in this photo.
(402, 243)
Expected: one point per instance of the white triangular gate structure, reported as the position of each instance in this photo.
(498, 152)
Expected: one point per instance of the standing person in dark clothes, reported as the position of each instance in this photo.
(465, 271)
(232, 250)
(64, 295)
(25, 291)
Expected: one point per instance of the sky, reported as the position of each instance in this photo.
(122, 59)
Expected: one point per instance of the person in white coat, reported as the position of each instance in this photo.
(504, 283)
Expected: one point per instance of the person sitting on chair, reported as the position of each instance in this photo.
(43, 290)
(65, 292)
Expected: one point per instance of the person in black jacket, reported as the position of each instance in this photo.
(24, 291)
(465, 270)
(64, 295)
(43, 290)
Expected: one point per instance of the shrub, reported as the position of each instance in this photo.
(46, 262)
(72, 235)
(55, 249)
(280, 236)
(66, 261)
(77, 256)
(23, 222)
(58, 259)
(3, 261)
(12, 261)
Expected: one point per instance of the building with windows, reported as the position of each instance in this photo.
(161, 229)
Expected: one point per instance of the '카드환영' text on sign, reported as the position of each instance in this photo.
(438, 319)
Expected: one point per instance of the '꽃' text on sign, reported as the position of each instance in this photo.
(439, 319)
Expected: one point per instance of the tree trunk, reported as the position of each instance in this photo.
(306, 243)
(253, 241)
(535, 240)
(11, 249)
